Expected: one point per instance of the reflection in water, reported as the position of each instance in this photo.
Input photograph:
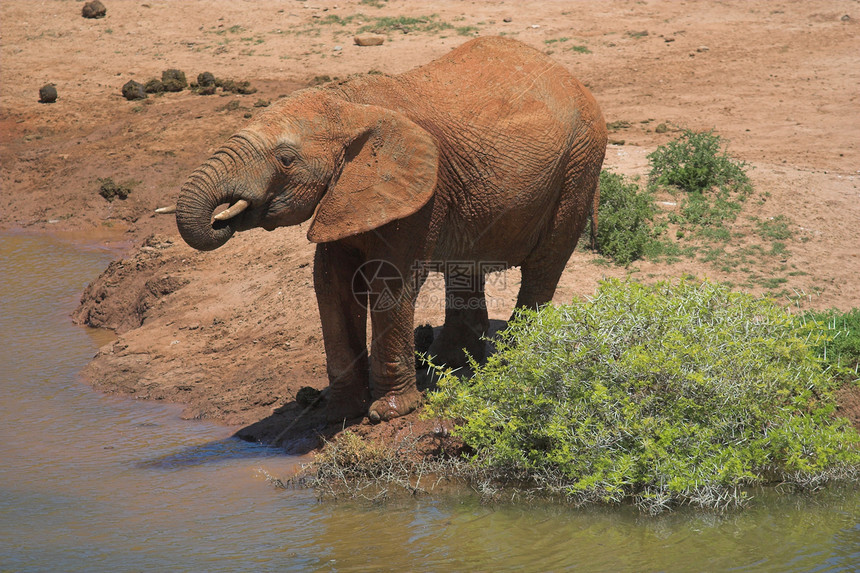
(96, 483)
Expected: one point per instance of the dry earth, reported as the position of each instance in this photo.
(233, 334)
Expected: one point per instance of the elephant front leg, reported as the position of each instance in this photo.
(343, 315)
(392, 355)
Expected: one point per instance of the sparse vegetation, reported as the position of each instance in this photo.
(711, 188)
(467, 30)
(406, 24)
(662, 394)
(775, 228)
(382, 24)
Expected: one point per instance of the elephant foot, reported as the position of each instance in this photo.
(394, 405)
(347, 403)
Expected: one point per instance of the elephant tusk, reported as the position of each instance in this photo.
(166, 210)
(232, 211)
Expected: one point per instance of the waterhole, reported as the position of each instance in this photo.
(90, 482)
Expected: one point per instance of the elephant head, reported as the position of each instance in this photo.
(350, 167)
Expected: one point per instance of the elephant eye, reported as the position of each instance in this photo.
(286, 159)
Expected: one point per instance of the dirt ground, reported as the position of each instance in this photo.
(233, 334)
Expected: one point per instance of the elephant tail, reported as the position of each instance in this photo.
(594, 206)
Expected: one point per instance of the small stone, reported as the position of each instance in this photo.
(133, 90)
(845, 18)
(47, 93)
(662, 128)
(94, 9)
(369, 40)
(338, 48)
(507, 20)
(702, 49)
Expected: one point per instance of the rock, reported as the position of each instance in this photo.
(507, 20)
(94, 9)
(369, 40)
(662, 128)
(205, 80)
(47, 93)
(338, 48)
(133, 90)
(174, 80)
(846, 18)
(702, 49)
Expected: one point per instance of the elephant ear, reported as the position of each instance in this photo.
(388, 172)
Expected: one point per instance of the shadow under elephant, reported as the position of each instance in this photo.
(300, 425)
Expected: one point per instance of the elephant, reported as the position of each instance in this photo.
(486, 158)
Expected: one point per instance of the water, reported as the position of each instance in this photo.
(96, 483)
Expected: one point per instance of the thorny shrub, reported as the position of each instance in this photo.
(665, 394)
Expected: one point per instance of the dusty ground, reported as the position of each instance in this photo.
(233, 334)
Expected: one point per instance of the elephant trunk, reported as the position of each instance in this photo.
(198, 199)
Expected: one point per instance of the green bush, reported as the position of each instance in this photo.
(714, 182)
(695, 162)
(839, 348)
(661, 394)
(624, 219)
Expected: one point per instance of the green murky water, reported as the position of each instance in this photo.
(96, 483)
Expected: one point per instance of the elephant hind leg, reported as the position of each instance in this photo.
(466, 319)
(542, 269)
